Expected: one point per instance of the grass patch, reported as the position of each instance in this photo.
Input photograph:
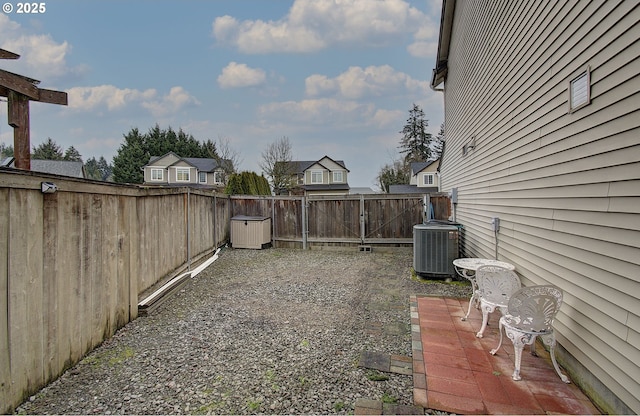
(338, 406)
(253, 405)
(112, 358)
(387, 398)
(374, 375)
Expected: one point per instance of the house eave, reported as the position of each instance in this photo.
(446, 24)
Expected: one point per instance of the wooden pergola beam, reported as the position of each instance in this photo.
(5, 54)
(18, 83)
(19, 90)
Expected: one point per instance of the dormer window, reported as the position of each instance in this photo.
(316, 176)
(338, 176)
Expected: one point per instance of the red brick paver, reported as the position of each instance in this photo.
(454, 372)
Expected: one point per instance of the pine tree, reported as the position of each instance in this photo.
(415, 142)
(438, 143)
(49, 150)
(138, 148)
(72, 155)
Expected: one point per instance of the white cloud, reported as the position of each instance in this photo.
(113, 98)
(40, 55)
(176, 100)
(320, 112)
(358, 83)
(109, 96)
(237, 75)
(312, 25)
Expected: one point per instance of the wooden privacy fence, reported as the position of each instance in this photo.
(314, 221)
(73, 263)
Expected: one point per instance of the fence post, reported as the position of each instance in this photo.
(362, 231)
(305, 226)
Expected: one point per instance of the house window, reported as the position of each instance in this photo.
(428, 179)
(156, 174)
(338, 176)
(202, 177)
(182, 175)
(316, 176)
(580, 91)
(218, 177)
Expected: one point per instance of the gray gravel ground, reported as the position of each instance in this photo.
(271, 331)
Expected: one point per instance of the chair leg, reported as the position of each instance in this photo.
(495, 350)
(474, 298)
(486, 310)
(517, 349)
(519, 340)
(550, 340)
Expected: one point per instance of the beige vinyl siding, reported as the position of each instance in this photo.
(566, 186)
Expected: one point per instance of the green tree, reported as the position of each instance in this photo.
(6, 150)
(49, 150)
(132, 156)
(98, 169)
(138, 148)
(416, 142)
(71, 154)
(394, 173)
(247, 183)
(438, 143)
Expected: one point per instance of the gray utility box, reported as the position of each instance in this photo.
(250, 232)
(435, 246)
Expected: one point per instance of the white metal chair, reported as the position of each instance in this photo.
(495, 285)
(530, 314)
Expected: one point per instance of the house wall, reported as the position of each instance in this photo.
(327, 167)
(160, 164)
(566, 185)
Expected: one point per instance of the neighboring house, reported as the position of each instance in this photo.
(55, 167)
(542, 113)
(173, 170)
(320, 177)
(425, 178)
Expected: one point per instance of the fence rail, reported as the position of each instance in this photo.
(74, 263)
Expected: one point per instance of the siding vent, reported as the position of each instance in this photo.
(579, 91)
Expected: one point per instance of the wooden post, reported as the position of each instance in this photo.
(19, 90)
(18, 106)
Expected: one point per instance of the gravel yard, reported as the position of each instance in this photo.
(259, 331)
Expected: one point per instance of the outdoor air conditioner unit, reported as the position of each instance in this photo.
(435, 246)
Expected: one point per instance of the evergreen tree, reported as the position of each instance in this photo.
(415, 142)
(247, 183)
(138, 148)
(106, 170)
(49, 150)
(131, 156)
(72, 155)
(98, 169)
(438, 143)
(6, 150)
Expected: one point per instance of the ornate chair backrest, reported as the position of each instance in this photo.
(496, 283)
(535, 307)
